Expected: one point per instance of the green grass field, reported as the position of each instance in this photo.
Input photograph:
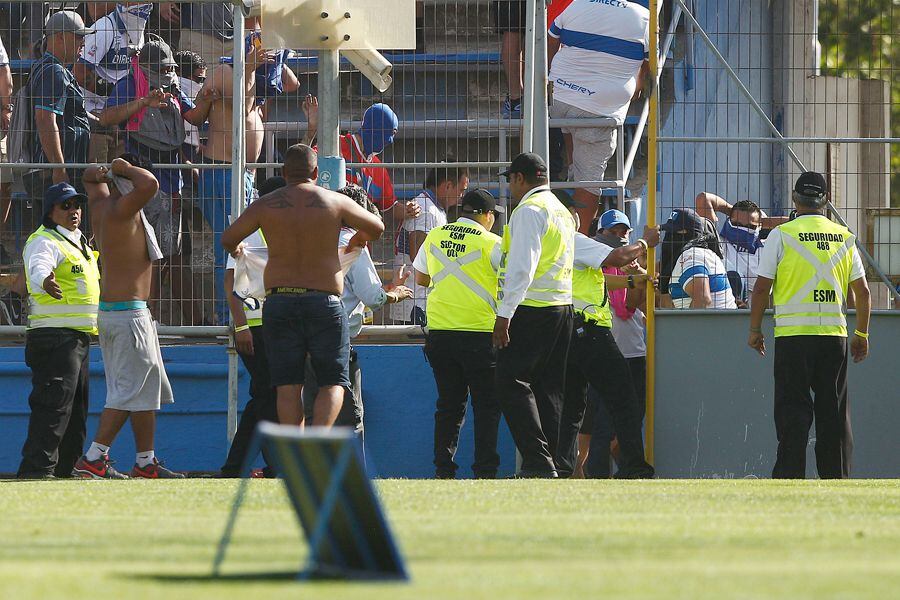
(464, 539)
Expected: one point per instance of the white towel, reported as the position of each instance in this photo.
(126, 187)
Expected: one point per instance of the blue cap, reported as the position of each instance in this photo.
(377, 129)
(59, 193)
(614, 217)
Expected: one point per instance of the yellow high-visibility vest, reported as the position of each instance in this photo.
(463, 281)
(812, 277)
(589, 296)
(552, 283)
(79, 279)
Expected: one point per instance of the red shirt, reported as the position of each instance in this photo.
(376, 181)
(555, 9)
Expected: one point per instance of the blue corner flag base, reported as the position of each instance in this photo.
(335, 502)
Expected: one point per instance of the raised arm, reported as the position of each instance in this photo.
(96, 182)
(625, 255)
(119, 113)
(145, 188)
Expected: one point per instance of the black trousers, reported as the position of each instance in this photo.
(58, 359)
(464, 363)
(262, 406)
(819, 364)
(596, 359)
(352, 410)
(531, 379)
(597, 421)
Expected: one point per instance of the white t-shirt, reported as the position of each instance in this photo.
(701, 262)
(4, 57)
(106, 50)
(603, 44)
(743, 263)
(432, 216)
(773, 252)
(190, 88)
(629, 334)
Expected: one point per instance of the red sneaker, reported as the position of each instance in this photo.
(96, 469)
(154, 471)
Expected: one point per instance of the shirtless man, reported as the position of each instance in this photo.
(215, 184)
(303, 313)
(136, 381)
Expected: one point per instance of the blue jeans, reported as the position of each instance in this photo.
(215, 204)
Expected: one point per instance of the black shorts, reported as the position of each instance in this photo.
(314, 324)
(508, 15)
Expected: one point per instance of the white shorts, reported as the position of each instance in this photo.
(592, 147)
(136, 378)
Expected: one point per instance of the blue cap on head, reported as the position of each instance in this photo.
(612, 218)
(378, 126)
(59, 193)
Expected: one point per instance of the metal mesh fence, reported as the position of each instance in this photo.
(758, 93)
(734, 77)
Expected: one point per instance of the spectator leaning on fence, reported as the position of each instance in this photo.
(597, 53)
(151, 108)
(105, 59)
(61, 123)
(64, 288)
(742, 236)
(443, 189)
(691, 263)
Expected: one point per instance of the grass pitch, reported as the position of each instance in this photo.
(465, 539)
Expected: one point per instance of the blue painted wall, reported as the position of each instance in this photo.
(398, 390)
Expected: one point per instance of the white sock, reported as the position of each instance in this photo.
(96, 451)
(144, 458)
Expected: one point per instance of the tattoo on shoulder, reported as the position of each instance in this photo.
(279, 200)
(316, 202)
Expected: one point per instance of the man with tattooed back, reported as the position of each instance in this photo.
(303, 313)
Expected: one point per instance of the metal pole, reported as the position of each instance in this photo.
(540, 130)
(528, 99)
(651, 222)
(238, 147)
(331, 164)
(232, 419)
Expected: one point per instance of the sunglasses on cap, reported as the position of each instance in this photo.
(71, 203)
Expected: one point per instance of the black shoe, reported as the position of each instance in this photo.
(640, 473)
(445, 475)
(486, 475)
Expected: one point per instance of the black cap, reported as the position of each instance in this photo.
(479, 202)
(811, 185)
(157, 52)
(529, 164)
(567, 200)
(684, 219)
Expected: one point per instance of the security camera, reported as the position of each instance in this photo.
(373, 65)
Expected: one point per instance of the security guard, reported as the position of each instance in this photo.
(595, 358)
(460, 261)
(533, 327)
(808, 264)
(64, 290)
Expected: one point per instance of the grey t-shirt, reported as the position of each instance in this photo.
(212, 18)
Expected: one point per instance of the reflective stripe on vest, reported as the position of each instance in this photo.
(79, 279)
(552, 283)
(463, 280)
(810, 289)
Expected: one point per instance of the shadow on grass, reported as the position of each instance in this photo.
(210, 578)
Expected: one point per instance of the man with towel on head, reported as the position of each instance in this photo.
(136, 381)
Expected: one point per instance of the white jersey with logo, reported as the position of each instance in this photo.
(746, 265)
(106, 50)
(701, 262)
(430, 217)
(603, 43)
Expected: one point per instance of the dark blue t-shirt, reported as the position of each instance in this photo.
(52, 87)
(170, 180)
